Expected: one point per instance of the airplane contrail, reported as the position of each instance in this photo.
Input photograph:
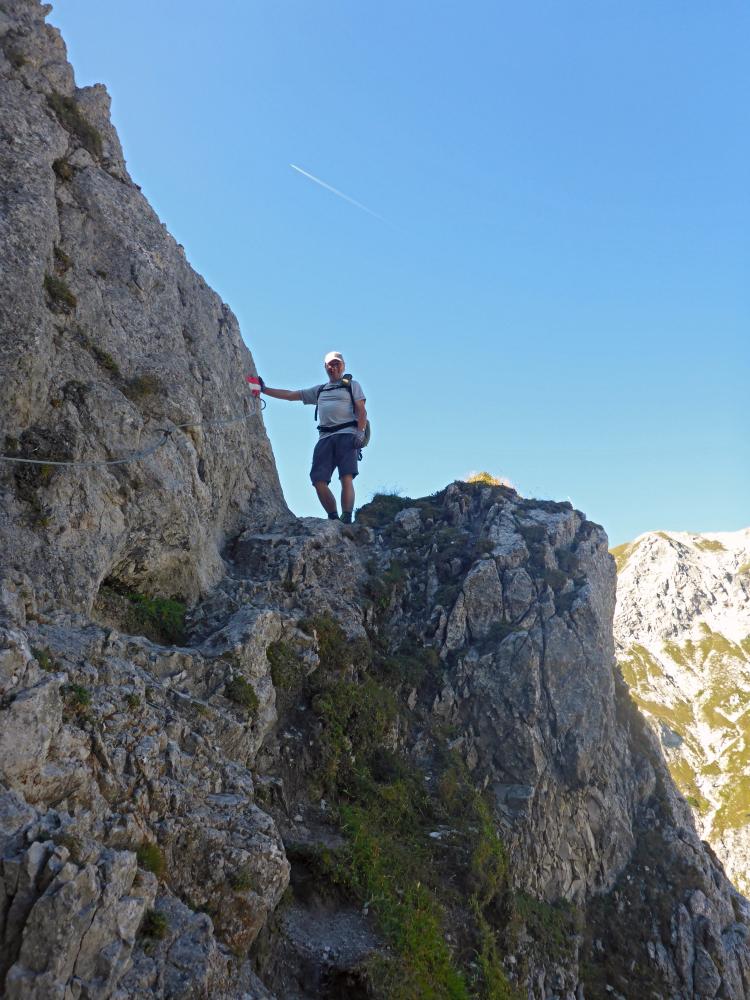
(333, 190)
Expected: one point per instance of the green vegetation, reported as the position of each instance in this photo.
(554, 925)
(385, 868)
(243, 878)
(640, 669)
(381, 510)
(407, 666)
(241, 692)
(69, 115)
(555, 578)
(687, 781)
(382, 586)
(620, 923)
(16, 58)
(151, 857)
(710, 545)
(383, 507)
(336, 652)
(102, 357)
(62, 260)
(621, 554)
(161, 619)
(390, 862)
(59, 293)
(44, 658)
(142, 386)
(155, 925)
(164, 616)
(76, 698)
(63, 169)
(722, 661)
(286, 667)
(133, 702)
(744, 569)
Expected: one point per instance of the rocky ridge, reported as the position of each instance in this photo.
(682, 630)
(437, 654)
(390, 760)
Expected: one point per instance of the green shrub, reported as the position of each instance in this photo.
(62, 260)
(69, 115)
(286, 669)
(151, 857)
(16, 58)
(242, 693)
(408, 666)
(336, 652)
(162, 618)
(44, 659)
(381, 510)
(102, 357)
(63, 169)
(555, 578)
(59, 293)
(242, 879)
(77, 698)
(155, 925)
(142, 386)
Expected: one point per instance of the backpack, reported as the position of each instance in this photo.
(346, 382)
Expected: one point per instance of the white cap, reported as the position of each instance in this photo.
(333, 356)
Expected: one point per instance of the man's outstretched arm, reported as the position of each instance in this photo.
(291, 394)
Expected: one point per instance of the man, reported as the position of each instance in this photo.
(342, 419)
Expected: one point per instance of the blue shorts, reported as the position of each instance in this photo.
(331, 452)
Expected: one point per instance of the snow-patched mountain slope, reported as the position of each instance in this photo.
(682, 632)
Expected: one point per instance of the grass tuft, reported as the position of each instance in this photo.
(151, 857)
(70, 117)
(242, 693)
(59, 293)
(155, 925)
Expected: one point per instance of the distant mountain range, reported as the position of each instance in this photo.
(682, 633)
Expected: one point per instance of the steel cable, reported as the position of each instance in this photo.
(166, 433)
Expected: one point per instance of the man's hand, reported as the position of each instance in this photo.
(256, 385)
(359, 439)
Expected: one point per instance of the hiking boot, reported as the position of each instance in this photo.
(334, 516)
(346, 516)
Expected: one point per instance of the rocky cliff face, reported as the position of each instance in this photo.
(391, 760)
(108, 339)
(683, 640)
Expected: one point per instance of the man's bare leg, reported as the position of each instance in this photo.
(347, 494)
(327, 499)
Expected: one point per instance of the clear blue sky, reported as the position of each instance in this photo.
(560, 291)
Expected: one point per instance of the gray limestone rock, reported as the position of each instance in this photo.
(106, 337)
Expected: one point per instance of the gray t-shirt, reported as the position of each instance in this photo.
(334, 404)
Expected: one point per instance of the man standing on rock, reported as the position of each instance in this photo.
(340, 408)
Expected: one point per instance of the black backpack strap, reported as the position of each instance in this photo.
(346, 383)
